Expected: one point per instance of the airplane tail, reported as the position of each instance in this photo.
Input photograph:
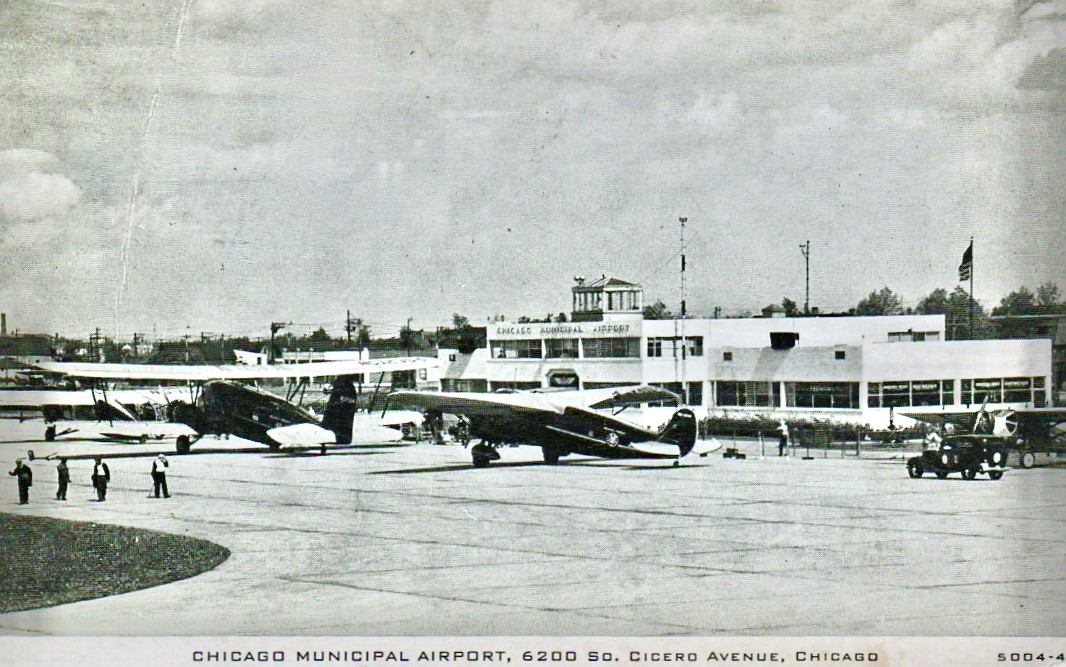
(340, 409)
(681, 430)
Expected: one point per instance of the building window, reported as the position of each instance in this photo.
(748, 394)
(822, 395)
(727, 356)
(694, 346)
(947, 392)
(925, 392)
(561, 348)
(600, 348)
(516, 349)
(515, 386)
(839, 355)
(655, 347)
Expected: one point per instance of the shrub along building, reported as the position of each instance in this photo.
(844, 369)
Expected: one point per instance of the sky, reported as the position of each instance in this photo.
(190, 166)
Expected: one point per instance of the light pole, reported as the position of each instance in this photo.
(805, 248)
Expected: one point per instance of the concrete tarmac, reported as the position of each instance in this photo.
(414, 541)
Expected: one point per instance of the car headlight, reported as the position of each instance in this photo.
(997, 457)
(945, 459)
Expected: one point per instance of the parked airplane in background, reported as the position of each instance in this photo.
(127, 415)
(1033, 430)
(560, 422)
(220, 404)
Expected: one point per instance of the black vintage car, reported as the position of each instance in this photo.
(966, 454)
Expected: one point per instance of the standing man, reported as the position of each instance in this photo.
(159, 475)
(782, 443)
(63, 473)
(25, 480)
(101, 478)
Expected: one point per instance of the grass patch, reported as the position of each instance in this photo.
(45, 562)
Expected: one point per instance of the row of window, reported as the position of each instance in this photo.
(567, 348)
(1004, 390)
(797, 394)
(905, 394)
(668, 347)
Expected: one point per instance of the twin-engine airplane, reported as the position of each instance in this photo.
(561, 422)
(223, 405)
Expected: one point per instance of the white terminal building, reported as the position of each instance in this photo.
(844, 369)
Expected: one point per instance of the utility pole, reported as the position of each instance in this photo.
(137, 338)
(407, 338)
(94, 344)
(274, 328)
(805, 248)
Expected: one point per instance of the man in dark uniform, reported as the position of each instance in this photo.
(25, 480)
(159, 475)
(64, 478)
(101, 477)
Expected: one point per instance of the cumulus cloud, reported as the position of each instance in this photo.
(31, 190)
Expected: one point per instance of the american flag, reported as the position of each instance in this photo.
(966, 268)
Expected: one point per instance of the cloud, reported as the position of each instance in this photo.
(30, 190)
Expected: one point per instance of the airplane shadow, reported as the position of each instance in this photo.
(315, 454)
(468, 467)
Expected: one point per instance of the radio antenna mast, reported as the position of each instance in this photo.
(684, 344)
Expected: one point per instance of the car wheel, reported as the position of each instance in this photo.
(940, 474)
(1028, 460)
(914, 469)
(480, 462)
(183, 444)
(995, 475)
(969, 473)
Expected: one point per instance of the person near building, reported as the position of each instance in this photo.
(159, 475)
(101, 478)
(782, 442)
(63, 477)
(25, 480)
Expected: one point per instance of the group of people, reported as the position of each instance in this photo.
(101, 478)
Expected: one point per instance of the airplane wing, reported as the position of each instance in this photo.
(30, 398)
(474, 403)
(234, 371)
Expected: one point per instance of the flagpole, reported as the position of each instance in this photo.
(971, 289)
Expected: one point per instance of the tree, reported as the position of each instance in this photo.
(961, 308)
(362, 337)
(459, 321)
(657, 311)
(791, 309)
(884, 302)
(935, 303)
(561, 318)
(1019, 302)
(1047, 297)
(319, 336)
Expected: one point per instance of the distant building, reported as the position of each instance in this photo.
(1051, 327)
(845, 369)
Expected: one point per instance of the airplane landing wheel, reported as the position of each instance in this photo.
(551, 456)
(481, 462)
(184, 445)
(50, 433)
